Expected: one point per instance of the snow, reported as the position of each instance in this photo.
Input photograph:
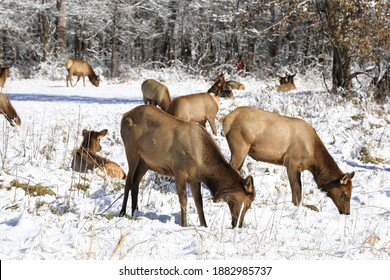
(79, 224)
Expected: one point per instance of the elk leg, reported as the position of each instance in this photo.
(182, 193)
(140, 172)
(238, 154)
(197, 195)
(83, 81)
(134, 176)
(213, 126)
(294, 177)
(69, 79)
(78, 78)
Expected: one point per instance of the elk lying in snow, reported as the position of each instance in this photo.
(220, 87)
(286, 83)
(235, 85)
(8, 110)
(155, 140)
(85, 157)
(155, 93)
(198, 107)
(290, 142)
(80, 68)
(3, 76)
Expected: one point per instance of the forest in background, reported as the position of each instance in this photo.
(344, 41)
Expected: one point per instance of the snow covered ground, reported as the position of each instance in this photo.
(79, 220)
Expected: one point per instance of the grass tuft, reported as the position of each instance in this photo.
(32, 190)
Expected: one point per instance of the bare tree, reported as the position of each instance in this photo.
(61, 30)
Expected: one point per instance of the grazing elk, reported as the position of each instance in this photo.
(85, 157)
(3, 75)
(197, 107)
(187, 153)
(80, 68)
(286, 83)
(290, 142)
(155, 93)
(8, 110)
(220, 87)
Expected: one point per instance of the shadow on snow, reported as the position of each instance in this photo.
(72, 98)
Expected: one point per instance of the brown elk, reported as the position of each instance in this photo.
(8, 110)
(155, 93)
(290, 142)
(3, 75)
(220, 87)
(86, 157)
(286, 83)
(187, 153)
(197, 107)
(80, 68)
(235, 85)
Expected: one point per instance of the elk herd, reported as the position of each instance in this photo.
(168, 136)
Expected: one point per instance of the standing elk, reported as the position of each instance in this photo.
(85, 157)
(8, 110)
(286, 83)
(290, 142)
(3, 75)
(80, 68)
(155, 140)
(155, 93)
(197, 107)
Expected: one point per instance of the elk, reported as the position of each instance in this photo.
(8, 110)
(197, 107)
(86, 157)
(3, 75)
(235, 85)
(80, 68)
(155, 93)
(220, 87)
(290, 142)
(187, 153)
(286, 83)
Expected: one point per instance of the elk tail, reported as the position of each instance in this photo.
(68, 63)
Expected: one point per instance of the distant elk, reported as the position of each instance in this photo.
(291, 142)
(86, 157)
(221, 87)
(235, 85)
(197, 107)
(3, 75)
(155, 140)
(8, 110)
(80, 68)
(156, 93)
(286, 83)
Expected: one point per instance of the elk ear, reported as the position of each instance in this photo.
(85, 132)
(346, 177)
(103, 132)
(249, 184)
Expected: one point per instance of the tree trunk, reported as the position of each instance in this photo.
(44, 33)
(341, 70)
(61, 30)
(114, 47)
(169, 38)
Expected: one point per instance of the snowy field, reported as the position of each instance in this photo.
(78, 219)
